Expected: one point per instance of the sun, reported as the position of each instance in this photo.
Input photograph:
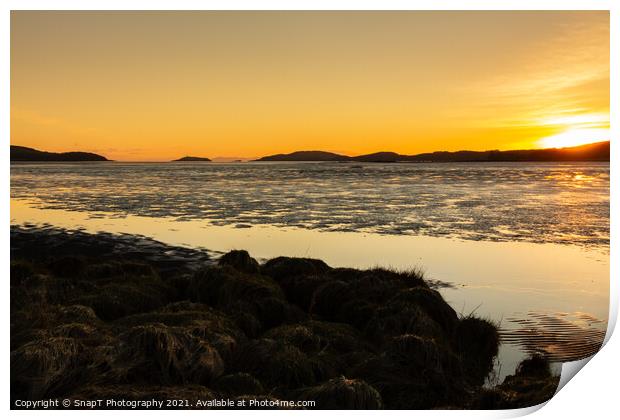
(575, 137)
(576, 130)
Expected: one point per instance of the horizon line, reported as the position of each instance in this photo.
(251, 159)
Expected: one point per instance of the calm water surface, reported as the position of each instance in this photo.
(525, 245)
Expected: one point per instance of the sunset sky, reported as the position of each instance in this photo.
(161, 85)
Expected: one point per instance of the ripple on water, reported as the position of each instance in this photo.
(560, 336)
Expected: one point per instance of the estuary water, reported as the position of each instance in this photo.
(526, 245)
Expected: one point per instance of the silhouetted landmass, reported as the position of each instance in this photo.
(27, 154)
(379, 157)
(192, 159)
(306, 156)
(120, 317)
(590, 152)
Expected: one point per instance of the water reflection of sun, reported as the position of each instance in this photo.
(577, 130)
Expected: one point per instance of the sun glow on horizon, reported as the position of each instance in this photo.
(577, 130)
(575, 137)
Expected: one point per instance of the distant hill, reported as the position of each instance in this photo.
(379, 157)
(588, 152)
(27, 154)
(192, 159)
(305, 156)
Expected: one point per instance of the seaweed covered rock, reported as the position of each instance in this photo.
(329, 298)
(229, 290)
(420, 354)
(220, 286)
(134, 288)
(414, 372)
(337, 337)
(533, 383)
(242, 314)
(314, 336)
(74, 330)
(275, 363)
(325, 291)
(76, 313)
(298, 335)
(344, 394)
(118, 300)
(402, 391)
(199, 320)
(354, 296)
(536, 366)
(379, 284)
(401, 318)
(284, 267)
(185, 314)
(157, 354)
(357, 312)
(300, 290)
(37, 365)
(329, 347)
(240, 261)
(431, 302)
(477, 342)
(274, 311)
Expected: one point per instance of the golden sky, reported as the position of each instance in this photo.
(161, 85)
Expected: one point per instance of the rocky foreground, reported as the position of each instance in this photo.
(125, 318)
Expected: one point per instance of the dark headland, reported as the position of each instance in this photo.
(598, 152)
(121, 317)
(27, 154)
(192, 159)
(306, 156)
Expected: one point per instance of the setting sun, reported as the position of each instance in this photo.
(575, 129)
(575, 137)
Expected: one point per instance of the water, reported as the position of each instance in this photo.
(524, 245)
(557, 203)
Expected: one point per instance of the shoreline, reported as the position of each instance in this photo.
(125, 315)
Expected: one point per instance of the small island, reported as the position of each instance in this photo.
(192, 159)
(28, 154)
(305, 156)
